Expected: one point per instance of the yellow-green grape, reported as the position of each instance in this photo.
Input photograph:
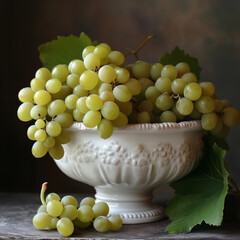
(87, 50)
(52, 196)
(164, 102)
(143, 117)
(218, 106)
(110, 110)
(53, 85)
(101, 51)
(63, 137)
(182, 68)
(87, 201)
(100, 209)
(31, 132)
(39, 150)
(122, 75)
(169, 71)
(81, 105)
(107, 96)
(24, 110)
(85, 213)
(64, 119)
(65, 227)
(209, 121)
(42, 208)
(116, 57)
(178, 86)
(145, 105)
(57, 151)
(70, 101)
(42, 97)
(152, 94)
(92, 62)
(60, 72)
(53, 128)
(63, 93)
(72, 80)
(89, 80)
(80, 224)
(105, 87)
(102, 224)
(189, 77)
(94, 102)
(41, 220)
(134, 86)
(192, 91)
(40, 135)
(37, 84)
(205, 104)
(121, 121)
(79, 91)
(141, 69)
(163, 84)
(43, 73)
(77, 115)
(155, 71)
(49, 142)
(54, 208)
(107, 74)
(126, 107)
(92, 118)
(116, 222)
(26, 95)
(168, 116)
(38, 112)
(226, 103)
(231, 116)
(76, 67)
(69, 211)
(122, 93)
(40, 123)
(53, 224)
(208, 89)
(56, 107)
(105, 128)
(184, 106)
(69, 200)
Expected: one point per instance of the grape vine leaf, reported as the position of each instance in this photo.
(200, 196)
(178, 55)
(63, 50)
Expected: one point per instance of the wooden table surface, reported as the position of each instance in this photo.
(17, 210)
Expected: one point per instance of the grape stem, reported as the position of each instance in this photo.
(135, 52)
(44, 187)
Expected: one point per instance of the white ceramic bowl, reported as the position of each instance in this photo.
(128, 166)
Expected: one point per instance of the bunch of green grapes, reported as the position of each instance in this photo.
(65, 214)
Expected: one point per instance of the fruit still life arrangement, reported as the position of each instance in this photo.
(88, 82)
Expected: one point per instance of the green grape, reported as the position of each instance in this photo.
(53, 85)
(164, 102)
(110, 110)
(77, 115)
(107, 74)
(69, 211)
(134, 86)
(72, 80)
(126, 107)
(121, 121)
(80, 224)
(53, 128)
(169, 71)
(65, 227)
(41, 220)
(218, 106)
(40, 123)
(122, 75)
(155, 71)
(92, 62)
(141, 69)
(89, 80)
(116, 57)
(145, 105)
(205, 104)
(54, 208)
(76, 67)
(105, 128)
(43, 73)
(57, 151)
(53, 224)
(105, 87)
(37, 84)
(85, 213)
(143, 117)
(184, 106)
(70, 101)
(101, 51)
(107, 96)
(178, 115)
(122, 93)
(116, 222)
(195, 114)
(39, 150)
(92, 118)
(69, 200)
(87, 201)
(231, 116)
(226, 103)
(24, 110)
(52, 196)
(208, 89)
(49, 142)
(63, 137)
(26, 95)
(40, 135)
(63, 93)
(100, 209)
(79, 91)
(163, 84)
(192, 91)
(81, 105)
(38, 112)
(42, 208)
(182, 68)
(64, 119)
(152, 94)
(209, 121)
(102, 224)
(60, 72)
(31, 132)
(178, 86)
(87, 50)
(217, 129)
(56, 107)
(94, 102)
(42, 97)
(168, 116)
(189, 77)
(106, 46)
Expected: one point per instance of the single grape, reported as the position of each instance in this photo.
(205, 104)
(77, 115)
(63, 93)
(53, 128)
(92, 118)
(107, 74)
(26, 95)
(231, 116)
(24, 110)
(79, 91)
(43, 73)
(42, 208)
(37, 84)
(145, 83)
(122, 93)
(121, 121)
(184, 106)
(53, 224)
(56, 107)
(52, 196)
(57, 151)
(182, 68)
(80, 224)
(81, 105)
(65, 227)
(69, 200)
(87, 201)
(89, 80)
(64, 119)
(116, 222)
(189, 77)
(87, 50)
(76, 67)
(92, 62)
(155, 71)
(143, 117)
(163, 84)
(42, 97)
(54, 208)
(134, 86)
(102, 224)
(94, 102)
(40, 135)
(209, 121)
(100, 209)
(110, 110)
(192, 91)
(53, 85)
(70, 101)
(40, 123)
(208, 89)
(122, 75)
(116, 57)
(60, 72)
(39, 150)
(69, 211)
(169, 71)
(105, 128)
(107, 96)
(141, 69)
(168, 116)
(38, 112)
(164, 102)
(63, 137)
(85, 213)
(41, 220)
(101, 51)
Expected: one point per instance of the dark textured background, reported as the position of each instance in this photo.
(208, 30)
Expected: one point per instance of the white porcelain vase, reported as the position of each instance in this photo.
(127, 167)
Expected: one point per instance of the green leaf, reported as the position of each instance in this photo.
(178, 55)
(63, 50)
(200, 196)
